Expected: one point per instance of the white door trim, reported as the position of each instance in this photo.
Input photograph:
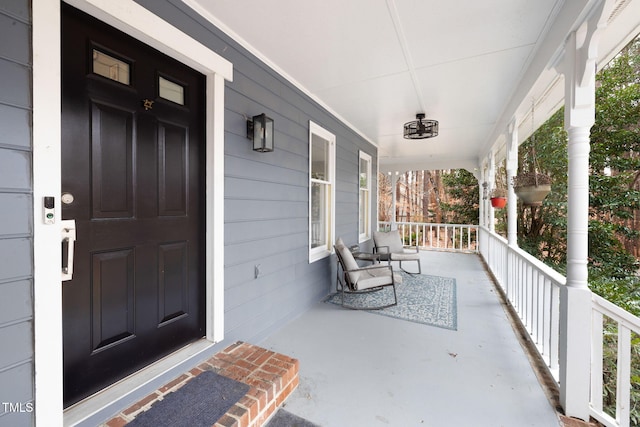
(137, 21)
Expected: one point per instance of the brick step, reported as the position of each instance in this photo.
(271, 376)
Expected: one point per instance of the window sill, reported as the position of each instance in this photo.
(318, 255)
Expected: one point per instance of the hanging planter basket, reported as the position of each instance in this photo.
(498, 198)
(532, 187)
(498, 202)
(532, 195)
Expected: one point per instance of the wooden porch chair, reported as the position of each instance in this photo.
(389, 246)
(357, 280)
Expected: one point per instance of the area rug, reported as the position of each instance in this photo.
(200, 402)
(283, 418)
(430, 300)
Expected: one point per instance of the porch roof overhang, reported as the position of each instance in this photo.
(474, 66)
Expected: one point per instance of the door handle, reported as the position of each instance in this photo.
(68, 237)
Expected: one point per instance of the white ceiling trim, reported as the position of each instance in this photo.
(395, 18)
(539, 67)
(200, 10)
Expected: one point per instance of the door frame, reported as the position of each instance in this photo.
(140, 23)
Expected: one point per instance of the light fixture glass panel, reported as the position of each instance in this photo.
(268, 135)
(171, 91)
(111, 68)
(258, 134)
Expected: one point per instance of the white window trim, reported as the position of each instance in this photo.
(322, 252)
(140, 23)
(363, 237)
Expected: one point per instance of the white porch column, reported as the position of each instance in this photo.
(575, 298)
(394, 181)
(492, 184)
(480, 177)
(485, 194)
(512, 170)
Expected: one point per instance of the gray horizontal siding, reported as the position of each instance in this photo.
(18, 9)
(21, 348)
(16, 220)
(16, 217)
(18, 49)
(19, 377)
(15, 301)
(15, 94)
(18, 135)
(16, 259)
(16, 170)
(267, 195)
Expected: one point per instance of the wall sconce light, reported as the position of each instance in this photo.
(260, 131)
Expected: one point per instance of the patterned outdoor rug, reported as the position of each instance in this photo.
(430, 300)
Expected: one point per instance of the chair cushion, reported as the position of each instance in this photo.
(372, 277)
(405, 256)
(339, 242)
(397, 278)
(390, 239)
(349, 263)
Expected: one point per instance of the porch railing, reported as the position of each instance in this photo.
(450, 237)
(533, 289)
(611, 324)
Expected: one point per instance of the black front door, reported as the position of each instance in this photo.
(132, 179)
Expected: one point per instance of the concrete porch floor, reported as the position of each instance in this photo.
(362, 369)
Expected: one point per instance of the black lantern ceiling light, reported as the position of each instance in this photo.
(260, 131)
(421, 128)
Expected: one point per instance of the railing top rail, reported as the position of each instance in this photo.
(494, 235)
(616, 313)
(539, 265)
(439, 224)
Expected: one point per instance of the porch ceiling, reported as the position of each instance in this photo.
(376, 63)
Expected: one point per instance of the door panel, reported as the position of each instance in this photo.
(173, 174)
(113, 298)
(111, 161)
(173, 280)
(134, 163)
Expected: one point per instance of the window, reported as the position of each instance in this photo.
(322, 154)
(110, 67)
(170, 91)
(364, 182)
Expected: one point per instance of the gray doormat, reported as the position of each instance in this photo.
(200, 402)
(283, 418)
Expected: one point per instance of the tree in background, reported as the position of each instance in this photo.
(542, 229)
(438, 196)
(384, 198)
(463, 190)
(418, 195)
(615, 180)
